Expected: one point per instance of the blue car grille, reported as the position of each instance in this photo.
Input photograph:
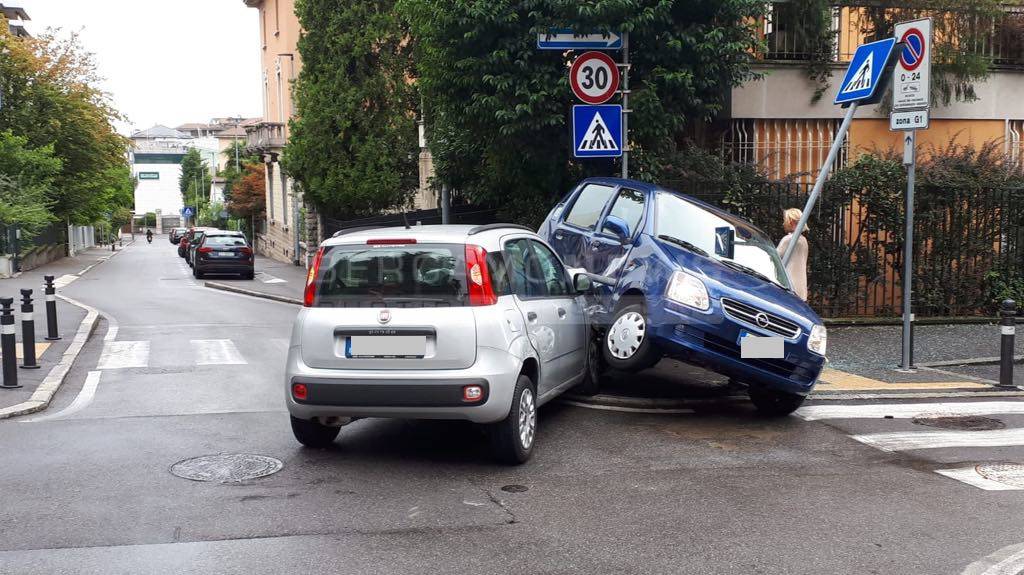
(803, 372)
(749, 315)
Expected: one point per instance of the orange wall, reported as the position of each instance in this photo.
(868, 135)
(279, 36)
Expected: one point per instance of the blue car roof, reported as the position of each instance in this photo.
(650, 188)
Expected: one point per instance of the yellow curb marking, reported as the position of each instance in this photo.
(833, 379)
(40, 348)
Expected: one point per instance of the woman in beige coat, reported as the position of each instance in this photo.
(797, 266)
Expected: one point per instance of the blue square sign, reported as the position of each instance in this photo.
(865, 72)
(597, 131)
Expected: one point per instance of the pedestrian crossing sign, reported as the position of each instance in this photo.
(865, 73)
(597, 131)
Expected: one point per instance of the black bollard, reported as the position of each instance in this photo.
(8, 344)
(1007, 327)
(28, 331)
(51, 310)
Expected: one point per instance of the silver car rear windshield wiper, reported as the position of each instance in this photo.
(683, 244)
(746, 270)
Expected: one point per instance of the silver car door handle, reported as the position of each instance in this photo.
(531, 316)
(561, 313)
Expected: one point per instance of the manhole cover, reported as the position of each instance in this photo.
(515, 488)
(966, 423)
(226, 468)
(1006, 473)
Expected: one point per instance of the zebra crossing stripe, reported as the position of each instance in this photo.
(124, 354)
(970, 476)
(905, 441)
(909, 410)
(217, 352)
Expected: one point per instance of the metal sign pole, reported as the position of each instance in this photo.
(910, 159)
(625, 104)
(837, 143)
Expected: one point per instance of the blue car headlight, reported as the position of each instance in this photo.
(818, 339)
(688, 290)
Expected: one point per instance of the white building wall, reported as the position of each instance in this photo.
(159, 194)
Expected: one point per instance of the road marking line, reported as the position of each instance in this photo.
(908, 410)
(624, 409)
(1007, 561)
(905, 441)
(217, 352)
(64, 280)
(124, 354)
(83, 399)
(970, 476)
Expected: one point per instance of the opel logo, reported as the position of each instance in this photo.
(384, 316)
(762, 319)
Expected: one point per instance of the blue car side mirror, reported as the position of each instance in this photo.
(617, 227)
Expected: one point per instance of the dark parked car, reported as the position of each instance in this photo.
(693, 282)
(223, 252)
(175, 235)
(186, 239)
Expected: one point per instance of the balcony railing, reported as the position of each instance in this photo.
(265, 136)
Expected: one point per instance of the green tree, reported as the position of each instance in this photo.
(497, 108)
(231, 174)
(353, 145)
(27, 177)
(195, 180)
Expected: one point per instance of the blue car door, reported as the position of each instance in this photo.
(572, 232)
(610, 245)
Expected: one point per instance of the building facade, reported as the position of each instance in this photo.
(15, 18)
(776, 122)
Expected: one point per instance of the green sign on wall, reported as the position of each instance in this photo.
(149, 175)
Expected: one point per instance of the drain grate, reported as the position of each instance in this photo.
(227, 467)
(515, 488)
(1006, 473)
(963, 423)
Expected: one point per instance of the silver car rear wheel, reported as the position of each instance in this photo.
(527, 418)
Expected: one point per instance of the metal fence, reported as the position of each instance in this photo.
(965, 242)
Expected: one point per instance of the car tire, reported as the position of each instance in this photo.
(251, 275)
(196, 273)
(313, 434)
(591, 383)
(626, 345)
(515, 436)
(774, 403)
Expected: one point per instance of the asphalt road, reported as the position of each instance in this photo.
(85, 487)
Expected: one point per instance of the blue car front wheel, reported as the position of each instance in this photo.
(627, 345)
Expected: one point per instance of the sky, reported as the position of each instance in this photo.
(165, 62)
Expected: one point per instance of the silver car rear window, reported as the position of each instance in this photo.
(413, 275)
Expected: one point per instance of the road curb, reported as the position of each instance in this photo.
(43, 394)
(252, 293)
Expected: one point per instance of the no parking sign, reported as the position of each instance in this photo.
(912, 75)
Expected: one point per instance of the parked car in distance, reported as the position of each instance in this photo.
(175, 235)
(223, 252)
(186, 239)
(692, 282)
(193, 243)
(478, 323)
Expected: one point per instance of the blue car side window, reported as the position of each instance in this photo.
(589, 206)
(628, 209)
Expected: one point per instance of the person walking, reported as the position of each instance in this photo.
(797, 265)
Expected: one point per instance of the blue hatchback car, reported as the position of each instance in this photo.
(692, 282)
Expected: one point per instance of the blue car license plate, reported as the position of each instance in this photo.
(761, 347)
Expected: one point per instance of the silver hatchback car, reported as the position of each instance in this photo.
(479, 323)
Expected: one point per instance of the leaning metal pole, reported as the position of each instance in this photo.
(837, 143)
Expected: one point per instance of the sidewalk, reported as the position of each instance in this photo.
(73, 323)
(281, 281)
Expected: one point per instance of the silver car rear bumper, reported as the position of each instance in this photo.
(417, 394)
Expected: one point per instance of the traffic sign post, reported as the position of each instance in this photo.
(860, 85)
(594, 77)
(911, 99)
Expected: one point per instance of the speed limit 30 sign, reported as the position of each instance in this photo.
(594, 77)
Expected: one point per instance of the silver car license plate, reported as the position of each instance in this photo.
(759, 347)
(385, 346)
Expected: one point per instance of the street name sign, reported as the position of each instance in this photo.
(909, 120)
(865, 72)
(566, 39)
(911, 87)
(597, 131)
(594, 77)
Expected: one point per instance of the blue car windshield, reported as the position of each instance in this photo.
(709, 232)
